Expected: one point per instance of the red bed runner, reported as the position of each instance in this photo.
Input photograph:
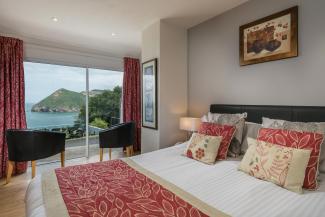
(113, 188)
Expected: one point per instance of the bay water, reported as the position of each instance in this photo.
(39, 120)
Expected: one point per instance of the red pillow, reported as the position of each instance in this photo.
(227, 133)
(300, 140)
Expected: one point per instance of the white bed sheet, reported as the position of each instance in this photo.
(220, 185)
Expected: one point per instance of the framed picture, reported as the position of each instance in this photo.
(149, 94)
(270, 38)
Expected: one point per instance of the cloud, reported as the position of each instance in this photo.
(43, 79)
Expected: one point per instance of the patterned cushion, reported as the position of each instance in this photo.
(250, 130)
(237, 120)
(300, 140)
(280, 165)
(313, 127)
(227, 132)
(203, 148)
(297, 126)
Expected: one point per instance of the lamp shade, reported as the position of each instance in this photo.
(189, 124)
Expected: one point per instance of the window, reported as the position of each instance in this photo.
(104, 103)
(61, 98)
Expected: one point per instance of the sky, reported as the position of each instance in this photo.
(41, 80)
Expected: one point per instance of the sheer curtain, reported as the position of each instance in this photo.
(12, 96)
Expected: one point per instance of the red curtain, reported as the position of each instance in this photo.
(131, 97)
(12, 96)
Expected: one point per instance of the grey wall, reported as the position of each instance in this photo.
(168, 43)
(172, 83)
(150, 49)
(216, 77)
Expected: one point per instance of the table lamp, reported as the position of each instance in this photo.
(189, 124)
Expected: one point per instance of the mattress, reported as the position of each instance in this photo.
(220, 185)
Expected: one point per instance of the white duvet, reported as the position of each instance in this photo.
(220, 185)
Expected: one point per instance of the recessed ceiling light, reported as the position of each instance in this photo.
(54, 19)
(113, 34)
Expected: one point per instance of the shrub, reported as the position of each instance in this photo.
(100, 123)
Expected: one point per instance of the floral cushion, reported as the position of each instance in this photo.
(227, 132)
(283, 166)
(300, 140)
(314, 127)
(203, 148)
(237, 120)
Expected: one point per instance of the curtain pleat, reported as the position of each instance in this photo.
(12, 96)
(132, 97)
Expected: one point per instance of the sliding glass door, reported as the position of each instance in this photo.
(74, 100)
(104, 103)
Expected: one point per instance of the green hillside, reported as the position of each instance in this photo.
(62, 100)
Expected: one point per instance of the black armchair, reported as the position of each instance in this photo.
(32, 145)
(117, 136)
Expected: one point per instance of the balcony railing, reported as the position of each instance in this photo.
(76, 140)
(74, 133)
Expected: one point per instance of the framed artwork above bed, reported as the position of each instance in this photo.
(149, 94)
(271, 38)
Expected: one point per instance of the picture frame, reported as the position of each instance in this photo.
(271, 38)
(149, 94)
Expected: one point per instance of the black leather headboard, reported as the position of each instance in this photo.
(289, 113)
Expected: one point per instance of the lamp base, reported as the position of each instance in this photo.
(189, 135)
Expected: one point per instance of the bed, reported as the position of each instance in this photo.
(221, 185)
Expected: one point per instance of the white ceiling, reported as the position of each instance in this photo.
(89, 24)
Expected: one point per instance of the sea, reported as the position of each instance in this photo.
(39, 120)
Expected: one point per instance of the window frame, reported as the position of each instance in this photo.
(87, 69)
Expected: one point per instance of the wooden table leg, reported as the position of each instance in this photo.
(128, 151)
(62, 158)
(110, 153)
(33, 168)
(101, 152)
(9, 170)
(132, 151)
